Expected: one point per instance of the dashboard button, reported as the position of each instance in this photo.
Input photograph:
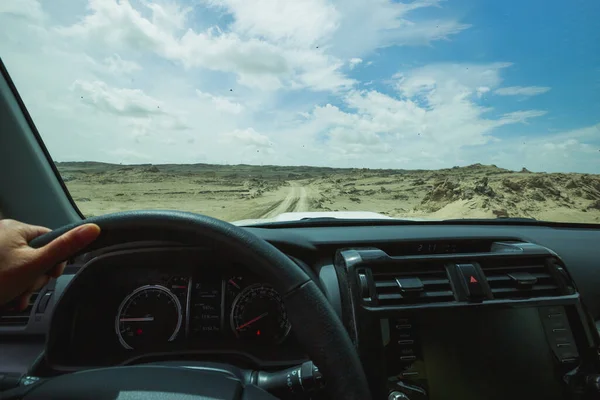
(553, 310)
(411, 285)
(406, 351)
(568, 360)
(363, 282)
(396, 395)
(564, 338)
(555, 323)
(408, 358)
(410, 374)
(471, 281)
(523, 279)
(567, 353)
(563, 345)
(41, 308)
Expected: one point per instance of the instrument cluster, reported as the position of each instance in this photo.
(200, 306)
(144, 304)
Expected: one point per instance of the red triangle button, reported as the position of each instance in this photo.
(473, 280)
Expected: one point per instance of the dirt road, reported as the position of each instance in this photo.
(295, 200)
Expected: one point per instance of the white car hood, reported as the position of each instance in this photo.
(297, 216)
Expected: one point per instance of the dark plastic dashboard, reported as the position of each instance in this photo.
(316, 248)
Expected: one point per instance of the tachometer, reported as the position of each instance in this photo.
(149, 316)
(258, 313)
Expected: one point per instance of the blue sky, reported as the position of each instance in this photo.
(348, 83)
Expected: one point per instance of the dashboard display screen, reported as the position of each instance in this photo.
(470, 353)
(205, 306)
(485, 354)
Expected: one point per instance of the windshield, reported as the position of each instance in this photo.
(247, 110)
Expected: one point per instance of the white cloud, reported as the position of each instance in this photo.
(169, 16)
(222, 103)
(521, 90)
(28, 9)
(521, 116)
(297, 23)
(270, 44)
(247, 137)
(113, 22)
(450, 79)
(120, 26)
(353, 62)
(434, 115)
(321, 72)
(257, 63)
(126, 102)
(345, 27)
(482, 90)
(368, 25)
(116, 65)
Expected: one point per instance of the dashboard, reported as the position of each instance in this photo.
(435, 311)
(152, 302)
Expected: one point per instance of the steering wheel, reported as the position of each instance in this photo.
(316, 325)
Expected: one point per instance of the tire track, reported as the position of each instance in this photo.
(296, 200)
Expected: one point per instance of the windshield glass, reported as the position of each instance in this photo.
(247, 110)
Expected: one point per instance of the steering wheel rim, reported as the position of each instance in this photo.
(316, 325)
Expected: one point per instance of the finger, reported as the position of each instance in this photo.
(27, 232)
(66, 245)
(39, 283)
(30, 232)
(57, 270)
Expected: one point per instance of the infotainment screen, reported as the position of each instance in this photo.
(479, 353)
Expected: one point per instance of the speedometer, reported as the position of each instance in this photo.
(148, 317)
(258, 313)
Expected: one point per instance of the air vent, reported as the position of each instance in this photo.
(412, 284)
(518, 279)
(11, 316)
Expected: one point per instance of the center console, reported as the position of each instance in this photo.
(467, 320)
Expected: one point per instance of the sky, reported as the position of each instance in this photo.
(343, 83)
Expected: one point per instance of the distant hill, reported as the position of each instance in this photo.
(95, 166)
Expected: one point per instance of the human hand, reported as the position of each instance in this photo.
(23, 269)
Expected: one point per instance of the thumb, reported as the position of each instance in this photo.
(66, 245)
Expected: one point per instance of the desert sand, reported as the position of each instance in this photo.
(238, 192)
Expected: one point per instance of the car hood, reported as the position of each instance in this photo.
(297, 216)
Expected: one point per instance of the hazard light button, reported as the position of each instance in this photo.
(471, 281)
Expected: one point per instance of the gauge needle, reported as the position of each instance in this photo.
(140, 319)
(253, 320)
